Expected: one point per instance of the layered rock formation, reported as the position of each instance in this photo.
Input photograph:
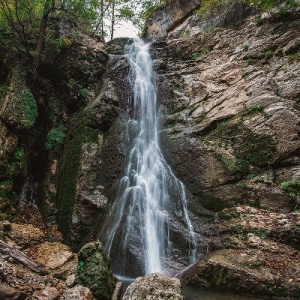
(230, 131)
(229, 108)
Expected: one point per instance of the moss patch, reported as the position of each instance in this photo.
(94, 271)
(82, 130)
(247, 148)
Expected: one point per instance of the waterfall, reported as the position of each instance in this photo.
(139, 232)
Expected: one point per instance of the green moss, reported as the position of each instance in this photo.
(94, 271)
(3, 90)
(200, 53)
(55, 138)
(248, 148)
(268, 53)
(24, 107)
(82, 130)
(293, 188)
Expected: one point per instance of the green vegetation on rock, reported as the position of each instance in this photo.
(82, 130)
(94, 270)
(247, 150)
(55, 138)
(22, 107)
(293, 188)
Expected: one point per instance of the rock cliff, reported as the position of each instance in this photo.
(230, 131)
(229, 99)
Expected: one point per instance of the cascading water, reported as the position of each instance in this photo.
(140, 232)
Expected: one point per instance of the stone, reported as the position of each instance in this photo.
(70, 280)
(9, 293)
(49, 293)
(26, 234)
(78, 292)
(51, 254)
(248, 271)
(94, 271)
(117, 295)
(154, 286)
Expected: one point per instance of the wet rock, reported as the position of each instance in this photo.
(94, 270)
(117, 46)
(78, 292)
(154, 286)
(245, 272)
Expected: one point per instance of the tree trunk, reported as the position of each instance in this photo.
(49, 6)
(112, 20)
(21, 258)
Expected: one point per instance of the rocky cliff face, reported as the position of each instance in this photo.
(229, 108)
(230, 131)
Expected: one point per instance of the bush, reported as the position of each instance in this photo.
(55, 138)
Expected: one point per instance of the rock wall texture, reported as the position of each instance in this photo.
(229, 110)
(230, 131)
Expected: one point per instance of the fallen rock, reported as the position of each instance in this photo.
(49, 293)
(94, 270)
(78, 292)
(70, 280)
(51, 255)
(246, 271)
(26, 234)
(117, 295)
(57, 258)
(154, 286)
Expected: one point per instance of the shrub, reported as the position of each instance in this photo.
(55, 138)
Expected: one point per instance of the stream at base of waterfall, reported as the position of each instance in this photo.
(148, 228)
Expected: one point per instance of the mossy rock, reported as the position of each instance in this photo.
(94, 270)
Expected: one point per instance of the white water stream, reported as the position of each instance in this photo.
(141, 215)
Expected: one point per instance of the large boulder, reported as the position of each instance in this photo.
(94, 271)
(154, 286)
(56, 257)
(251, 271)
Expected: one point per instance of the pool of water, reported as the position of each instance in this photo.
(191, 293)
(196, 294)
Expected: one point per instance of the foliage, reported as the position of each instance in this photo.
(28, 108)
(55, 138)
(246, 47)
(293, 188)
(23, 106)
(3, 90)
(249, 150)
(250, 61)
(200, 53)
(210, 7)
(268, 53)
(256, 108)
